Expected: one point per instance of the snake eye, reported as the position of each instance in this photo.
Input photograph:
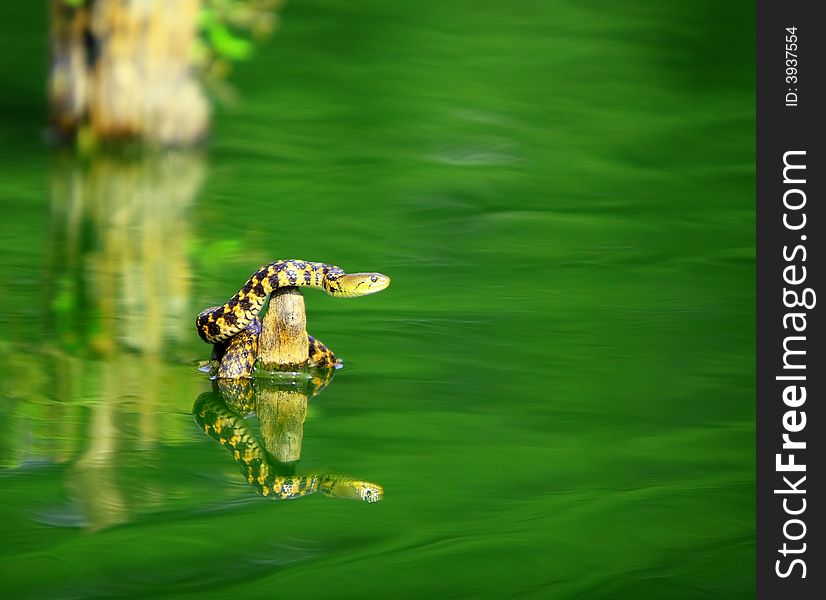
(374, 279)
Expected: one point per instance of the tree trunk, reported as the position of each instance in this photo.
(284, 344)
(122, 69)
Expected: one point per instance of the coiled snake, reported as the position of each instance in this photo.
(234, 328)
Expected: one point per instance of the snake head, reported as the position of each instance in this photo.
(353, 489)
(370, 492)
(359, 284)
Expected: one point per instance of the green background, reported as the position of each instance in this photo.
(557, 390)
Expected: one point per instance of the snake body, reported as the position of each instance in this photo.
(236, 357)
(220, 323)
(234, 327)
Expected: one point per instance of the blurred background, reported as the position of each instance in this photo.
(556, 392)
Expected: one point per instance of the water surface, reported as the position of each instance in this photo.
(556, 392)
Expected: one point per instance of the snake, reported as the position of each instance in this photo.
(230, 430)
(234, 327)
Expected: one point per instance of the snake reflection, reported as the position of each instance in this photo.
(220, 413)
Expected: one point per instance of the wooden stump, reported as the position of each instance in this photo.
(283, 345)
(123, 70)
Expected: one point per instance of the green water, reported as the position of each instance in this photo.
(557, 390)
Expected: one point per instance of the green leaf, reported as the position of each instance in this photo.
(228, 45)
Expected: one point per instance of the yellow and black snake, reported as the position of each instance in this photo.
(234, 327)
(262, 474)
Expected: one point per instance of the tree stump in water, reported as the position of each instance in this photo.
(124, 70)
(283, 345)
